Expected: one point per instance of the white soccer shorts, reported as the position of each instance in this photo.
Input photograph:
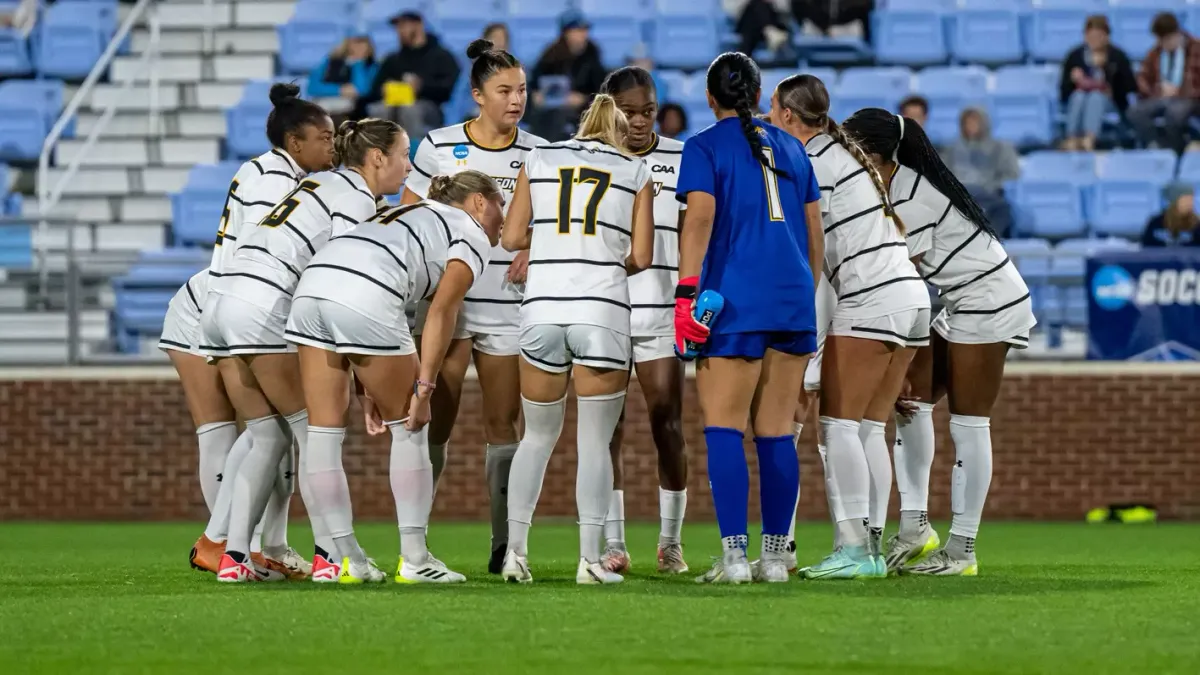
(555, 348)
(231, 326)
(907, 328)
(653, 348)
(1011, 324)
(334, 327)
(181, 325)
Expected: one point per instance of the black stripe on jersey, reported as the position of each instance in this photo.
(856, 216)
(482, 264)
(338, 214)
(380, 245)
(172, 343)
(535, 359)
(421, 171)
(848, 177)
(246, 203)
(911, 194)
(864, 329)
(1001, 308)
(584, 298)
(544, 180)
(878, 286)
(577, 261)
(445, 226)
(934, 224)
(668, 188)
(666, 268)
(258, 166)
(544, 221)
(1019, 338)
(581, 148)
(666, 228)
(228, 348)
(493, 301)
(622, 188)
(861, 253)
(668, 305)
(296, 333)
(827, 187)
(601, 359)
(275, 172)
(977, 278)
(291, 269)
(824, 149)
(347, 179)
(356, 273)
(229, 237)
(192, 296)
(320, 202)
(268, 282)
(953, 253)
(303, 238)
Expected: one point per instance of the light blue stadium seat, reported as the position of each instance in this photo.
(1121, 207)
(909, 37)
(674, 84)
(16, 247)
(246, 123)
(700, 116)
(685, 41)
(311, 9)
(1022, 119)
(1075, 307)
(627, 9)
(945, 5)
(44, 95)
(68, 49)
(990, 36)
(617, 39)
(196, 210)
(945, 109)
(1131, 27)
(676, 8)
(1032, 258)
(1189, 168)
(1032, 79)
(1047, 304)
(23, 129)
(1156, 166)
(887, 81)
(845, 105)
(1091, 5)
(14, 53)
(382, 11)
(1052, 31)
(304, 43)
(771, 79)
(1077, 167)
(530, 37)
(259, 91)
(1047, 208)
(1191, 20)
(456, 32)
(827, 75)
(969, 82)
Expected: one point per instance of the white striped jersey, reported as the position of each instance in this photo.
(271, 255)
(652, 291)
(866, 260)
(582, 194)
(258, 186)
(394, 259)
(493, 305)
(967, 265)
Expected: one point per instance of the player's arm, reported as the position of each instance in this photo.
(517, 234)
(815, 205)
(641, 253)
(425, 167)
(695, 232)
(436, 335)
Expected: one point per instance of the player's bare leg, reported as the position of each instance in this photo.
(661, 381)
(500, 383)
(444, 403)
(616, 554)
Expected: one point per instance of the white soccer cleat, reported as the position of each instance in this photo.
(353, 575)
(325, 570)
(515, 569)
(941, 564)
(237, 573)
(771, 569)
(732, 568)
(432, 571)
(615, 558)
(903, 553)
(594, 574)
(670, 559)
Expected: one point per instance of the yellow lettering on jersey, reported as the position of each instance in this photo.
(283, 210)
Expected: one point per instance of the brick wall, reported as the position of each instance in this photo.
(119, 445)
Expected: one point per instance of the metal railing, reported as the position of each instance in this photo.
(49, 195)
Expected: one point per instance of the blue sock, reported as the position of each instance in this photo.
(779, 482)
(729, 478)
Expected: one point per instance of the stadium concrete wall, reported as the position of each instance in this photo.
(117, 444)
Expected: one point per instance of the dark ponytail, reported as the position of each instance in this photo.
(880, 132)
(734, 83)
(486, 61)
(624, 79)
(290, 113)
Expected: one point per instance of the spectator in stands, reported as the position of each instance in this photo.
(566, 76)
(497, 34)
(915, 108)
(1096, 79)
(825, 15)
(1178, 224)
(1169, 84)
(414, 82)
(984, 164)
(762, 24)
(672, 120)
(348, 71)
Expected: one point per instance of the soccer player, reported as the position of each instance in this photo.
(752, 234)
(490, 323)
(651, 295)
(987, 311)
(349, 310)
(301, 134)
(881, 317)
(590, 203)
(246, 314)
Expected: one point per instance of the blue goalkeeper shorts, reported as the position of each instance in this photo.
(755, 345)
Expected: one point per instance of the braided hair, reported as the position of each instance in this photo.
(808, 99)
(735, 84)
(881, 133)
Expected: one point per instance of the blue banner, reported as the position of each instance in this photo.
(1144, 306)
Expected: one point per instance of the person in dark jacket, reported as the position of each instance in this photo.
(565, 78)
(1178, 224)
(349, 71)
(422, 64)
(1169, 85)
(1097, 79)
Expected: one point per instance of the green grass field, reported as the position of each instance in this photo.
(1056, 599)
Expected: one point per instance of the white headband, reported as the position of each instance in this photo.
(896, 152)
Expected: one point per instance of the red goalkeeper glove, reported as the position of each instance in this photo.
(687, 329)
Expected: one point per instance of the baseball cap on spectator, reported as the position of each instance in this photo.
(407, 16)
(573, 19)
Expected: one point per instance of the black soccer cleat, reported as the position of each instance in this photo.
(496, 562)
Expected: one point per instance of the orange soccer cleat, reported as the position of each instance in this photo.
(206, 555)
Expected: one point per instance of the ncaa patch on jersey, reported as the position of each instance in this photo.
(461, 151)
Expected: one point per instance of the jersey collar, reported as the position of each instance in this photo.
(283, 154)
(470, 139)
(650, 148)
(357, 179)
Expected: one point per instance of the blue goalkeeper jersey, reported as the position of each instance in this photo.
(757, 256)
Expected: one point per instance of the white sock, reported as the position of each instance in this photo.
(437, 457)
(836, 512)
(671, 506)
(497, 465)
(272, 529)
(543, 426)
(597, 418)
(879, 464)
(972, 475)
(847, 462)
(411, 475)
(614, 520)
(256, 478)
(215, 441)
(331, 491)
(298, 422)
(797, 429)
(217, 528)
(913, 451)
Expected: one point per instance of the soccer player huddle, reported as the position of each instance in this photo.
(788, 257)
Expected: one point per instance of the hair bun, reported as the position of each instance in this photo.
(284, 92)
(347, 127)
(477, 48)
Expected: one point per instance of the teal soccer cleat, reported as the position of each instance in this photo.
(847, 562)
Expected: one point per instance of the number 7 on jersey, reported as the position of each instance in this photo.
(566, 181)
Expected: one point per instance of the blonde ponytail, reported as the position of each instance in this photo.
(603, 121)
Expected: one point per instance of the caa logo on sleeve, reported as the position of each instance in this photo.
(1113, 287)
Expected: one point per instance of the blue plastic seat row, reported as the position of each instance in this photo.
(1056, 208)
(196, 210)
(1055, 275)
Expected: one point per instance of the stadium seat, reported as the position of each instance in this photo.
(1157, 166)
(16, 247)
(674, 85)
(969, 82)
(1047, 208)
(626, 9)
(685, 41)
(23, 129)
(382, 11)
(1189, 169)
(14, 53)
(892, 82)
(1121, 207)
(1032, 258)
(531, 35)
(771, 79)
(1191, 20)
(1131, 27)
(909, 37)
(1077, 167)
(1022, 119)
(1047, 305)
(676, 8)
(945, 109)
(989, 36)
(196, 210)
(305, 42)
(46, 95)
(1033, 79)
(245, 125)
(67, 47)
(1075, 306)
(617, 40)
(1052, 31)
